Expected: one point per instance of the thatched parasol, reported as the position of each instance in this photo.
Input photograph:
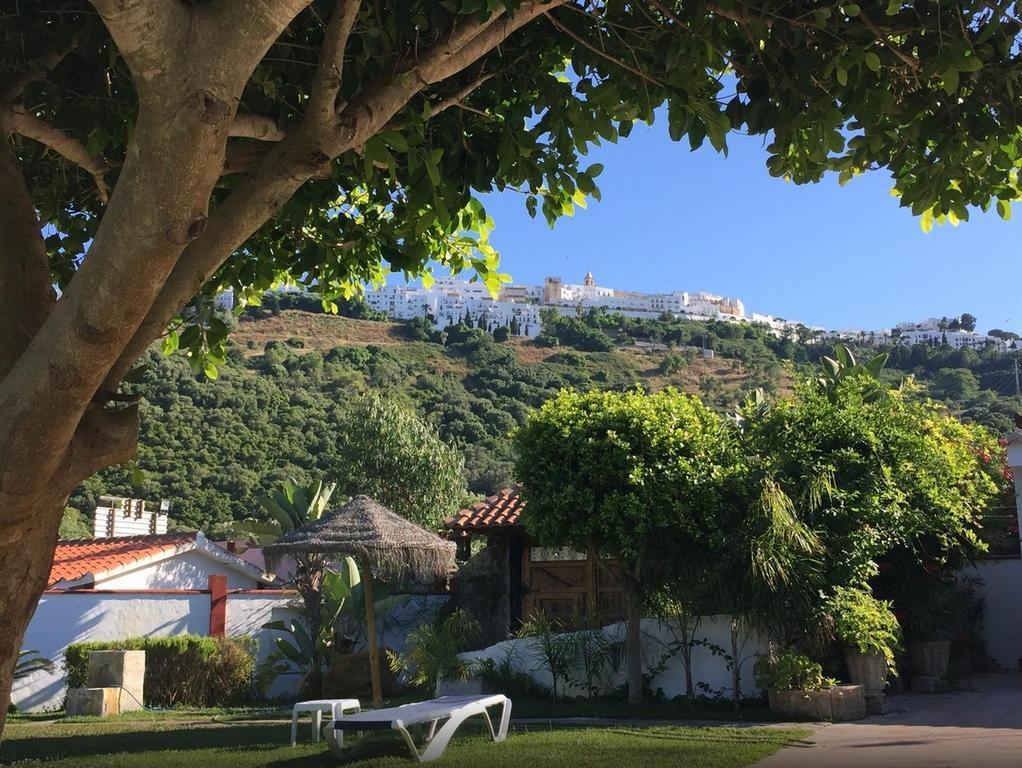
(384, 545)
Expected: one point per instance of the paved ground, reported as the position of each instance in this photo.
(974, 729)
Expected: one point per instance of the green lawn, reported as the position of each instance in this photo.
(182, 741)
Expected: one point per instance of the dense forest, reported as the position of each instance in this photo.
(281, 405)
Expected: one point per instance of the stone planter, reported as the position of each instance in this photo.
(869, 671)
(838, 704)
(930, 657)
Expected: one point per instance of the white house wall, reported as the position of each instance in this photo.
(188, 570)
(64, 618)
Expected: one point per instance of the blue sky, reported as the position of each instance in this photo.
(839, 257)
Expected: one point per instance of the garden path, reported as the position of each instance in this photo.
(978, 728)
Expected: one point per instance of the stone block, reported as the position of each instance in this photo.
(876, 705)
(838, 704)
(847, 702)
(124, 670)
(95, 702)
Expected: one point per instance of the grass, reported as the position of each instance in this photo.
(191, 740)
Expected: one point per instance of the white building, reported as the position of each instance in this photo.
(590, 295)
(450, 301)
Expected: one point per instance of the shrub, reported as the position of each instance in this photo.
(432, 651)
(864, 622)
(790, 670)
(186, 669)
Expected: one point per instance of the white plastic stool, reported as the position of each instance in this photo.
(336, 708)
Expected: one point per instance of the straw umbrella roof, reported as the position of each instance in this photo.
(372, 534)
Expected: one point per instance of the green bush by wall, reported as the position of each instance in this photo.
(183, 670)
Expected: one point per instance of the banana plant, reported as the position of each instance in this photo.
(341, 626)
(292, 506)
(289, 507)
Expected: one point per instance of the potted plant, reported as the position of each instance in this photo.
(871, 635)
(930, 623)
(796, 688)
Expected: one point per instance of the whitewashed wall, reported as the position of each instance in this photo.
(188, 570)
(707, 667)
(63, 618)
(1002, 609)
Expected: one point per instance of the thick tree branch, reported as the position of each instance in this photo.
(25, 288)
(22, 122)
(147, 33)
(105, 436)
(256, 127)
(306, 152)
(326, 83)
(188, 96)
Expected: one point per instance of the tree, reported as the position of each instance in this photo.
(955, 384)
(626, 476)
(74, 525)
(387, 452)
(163, 150)
(967, 322)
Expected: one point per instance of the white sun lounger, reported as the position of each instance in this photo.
(451, 711)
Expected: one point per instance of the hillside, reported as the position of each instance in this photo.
(212, 447)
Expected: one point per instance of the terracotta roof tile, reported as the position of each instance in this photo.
(498, 512)
(76, 558)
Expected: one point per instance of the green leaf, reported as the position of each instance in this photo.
(97, 141)
(594, 170)
(872, 61)
(893, 6)
(1004, 209)
(926, 221)
(842, 75)
(851, 9)
(949, 81)
(209, 368)
(171, 343)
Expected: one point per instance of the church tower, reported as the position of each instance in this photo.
(589, 281)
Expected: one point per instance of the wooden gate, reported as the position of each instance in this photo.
(568, 589)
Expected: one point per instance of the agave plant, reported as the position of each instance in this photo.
(844, 366)
(29, 662)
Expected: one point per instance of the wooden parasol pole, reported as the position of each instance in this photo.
(374, 650)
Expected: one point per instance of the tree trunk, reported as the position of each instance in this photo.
(633, 645)
(736, 664)
(26, 555)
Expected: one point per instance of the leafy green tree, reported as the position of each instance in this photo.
(627, 476)
(387, 452)
(74, 525)
(192, 146)
(955, 384)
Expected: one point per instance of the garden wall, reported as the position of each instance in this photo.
(63, 618)
(708, 668)
(1002, 608)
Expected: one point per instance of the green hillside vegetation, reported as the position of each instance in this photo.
(281, 405)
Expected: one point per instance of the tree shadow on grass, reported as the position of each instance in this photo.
(79, 742)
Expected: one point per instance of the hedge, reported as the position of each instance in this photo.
(191, 670)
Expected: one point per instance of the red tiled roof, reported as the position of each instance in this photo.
(498, 512)
(76, 559)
